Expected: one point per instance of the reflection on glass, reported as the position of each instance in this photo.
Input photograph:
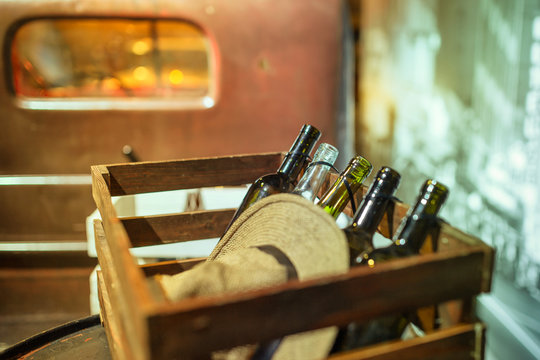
(95, 58)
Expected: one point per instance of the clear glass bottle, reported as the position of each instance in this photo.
(285, 177)
(316, 172)
(371, 211)
(338, 195)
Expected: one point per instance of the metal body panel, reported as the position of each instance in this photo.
(277, 67)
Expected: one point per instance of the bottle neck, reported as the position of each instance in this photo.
(422, 218)
(337, 197)
(296, 158)
(292, 165)
(369, 215)
(374, 204)
(315, 174)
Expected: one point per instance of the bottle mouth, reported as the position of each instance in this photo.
(433, 188)
(305, 141)
(326, 153)
(432, 197)
(386, 182)
(359, 167)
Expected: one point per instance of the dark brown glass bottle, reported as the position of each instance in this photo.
(410, 236)
(414, 228)
(371, 211)
(284, 179)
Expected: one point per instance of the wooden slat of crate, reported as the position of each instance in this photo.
(464, 342)
(119, 309)
(461, 271)
(193, 225)
(142, 177)
(116, 336)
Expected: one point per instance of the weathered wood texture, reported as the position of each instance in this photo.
(459, 270)
(193, 225)
(464, 342)
(150, 176)
(361, 294)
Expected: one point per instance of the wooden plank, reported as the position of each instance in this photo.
(170, 267)
(119, 268)
(118, 345)
(464, 341)
(151, 176)
(131, 277)
(202, 325)
(164, 229)
(452, 238)
(101, 180)
(124, 315)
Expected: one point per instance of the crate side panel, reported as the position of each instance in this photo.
(203, 324)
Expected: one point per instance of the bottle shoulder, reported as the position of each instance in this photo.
(276, 180)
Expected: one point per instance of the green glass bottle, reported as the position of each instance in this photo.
(338, 195)
(371, 211)
(410, 236)
(414, 228)
(284, 179)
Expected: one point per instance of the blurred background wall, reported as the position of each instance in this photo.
(451, 90)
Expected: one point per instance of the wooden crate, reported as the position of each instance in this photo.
(140, 324)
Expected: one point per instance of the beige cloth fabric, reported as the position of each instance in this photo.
(309, 238)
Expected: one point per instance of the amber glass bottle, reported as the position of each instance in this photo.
(414, 228)
(371, 211)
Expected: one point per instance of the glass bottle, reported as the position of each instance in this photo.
(283, 180)
(338, 195)
(410, 236)
(315, 174)
(414, 228)
(371, 211)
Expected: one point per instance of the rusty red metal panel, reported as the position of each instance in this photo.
(278, 65)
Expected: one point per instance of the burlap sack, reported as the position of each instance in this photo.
(279, 238)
